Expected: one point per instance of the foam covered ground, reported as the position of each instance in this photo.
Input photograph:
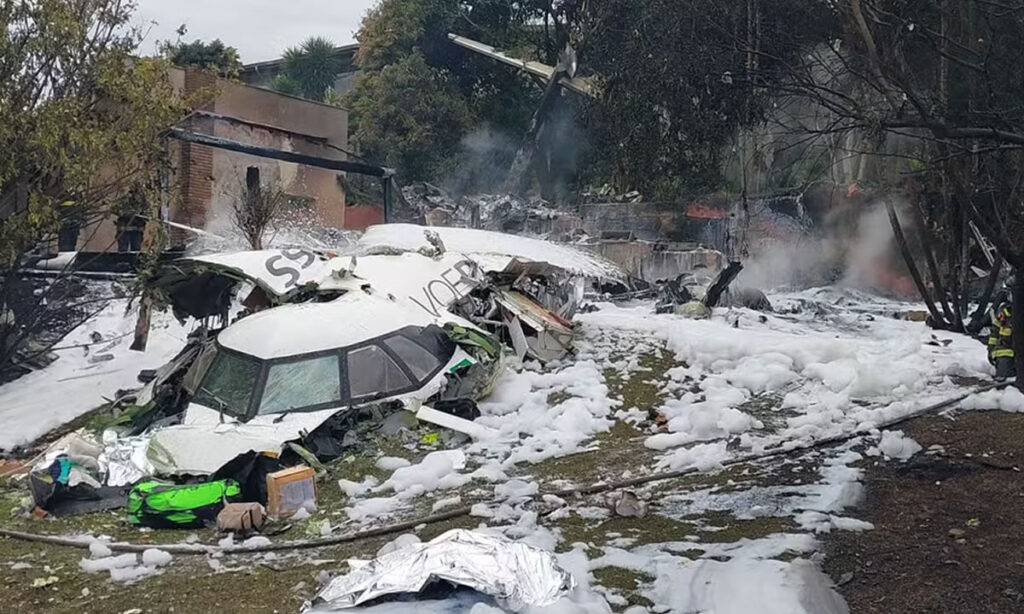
(82, 379)
(730, 541)
(828, 362)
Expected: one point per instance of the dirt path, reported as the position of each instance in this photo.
(949, 523)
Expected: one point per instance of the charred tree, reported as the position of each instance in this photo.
(937, 82)
(908, 257)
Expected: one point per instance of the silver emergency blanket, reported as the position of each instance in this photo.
(516, 575)
(114, 461)
(124, 459)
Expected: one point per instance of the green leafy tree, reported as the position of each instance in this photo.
(310, 70)
(214, 55)
(395, 28)
(80, 125)
(679, 79)
(404, 33)
(284, 84)
(411, 116)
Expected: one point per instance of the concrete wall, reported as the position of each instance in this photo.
(292, 121)
(655, 261)
(286, 112)
(711, 221)
(686, 222)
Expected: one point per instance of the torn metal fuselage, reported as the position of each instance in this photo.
(523, 290)
(302, 372)
(404, 321)
(439, 270)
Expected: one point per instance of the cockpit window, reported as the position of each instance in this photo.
(371, 372)
(419, 361)
(302, 383)
(241, 385)
(228, 385)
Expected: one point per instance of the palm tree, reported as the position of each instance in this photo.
(310, 69)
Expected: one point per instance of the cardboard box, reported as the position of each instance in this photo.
(289, 490)
(241, 517)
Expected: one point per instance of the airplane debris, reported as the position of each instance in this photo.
(691, 296)
(298, 347)
(290, 490)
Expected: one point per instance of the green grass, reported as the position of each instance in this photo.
(641, 389)
(724, 527)
(651, 529)
(626, 582)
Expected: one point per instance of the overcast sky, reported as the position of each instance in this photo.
(259, 29)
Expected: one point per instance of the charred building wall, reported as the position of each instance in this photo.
(206, 181)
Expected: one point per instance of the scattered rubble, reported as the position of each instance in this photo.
(273, 373)
(607, 194)
(693, 295)
(433, 206)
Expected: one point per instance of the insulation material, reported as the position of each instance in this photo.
(125, 459)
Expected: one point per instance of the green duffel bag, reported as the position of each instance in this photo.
(162, 505)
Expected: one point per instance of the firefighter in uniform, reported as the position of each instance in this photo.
(1000, 341)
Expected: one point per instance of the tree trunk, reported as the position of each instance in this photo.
(927, 242)
(1017, 322)
(980, 317)
(150, 247)
(142, 324)
(908, 257)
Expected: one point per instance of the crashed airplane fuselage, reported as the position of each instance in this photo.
(411, 317)
(523, 290)
(280, 374)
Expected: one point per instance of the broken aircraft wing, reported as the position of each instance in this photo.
(579, 85)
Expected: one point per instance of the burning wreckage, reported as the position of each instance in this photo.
(298, 347)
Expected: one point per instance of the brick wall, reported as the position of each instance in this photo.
(195, 168)
(206, 182)
(361, 217)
